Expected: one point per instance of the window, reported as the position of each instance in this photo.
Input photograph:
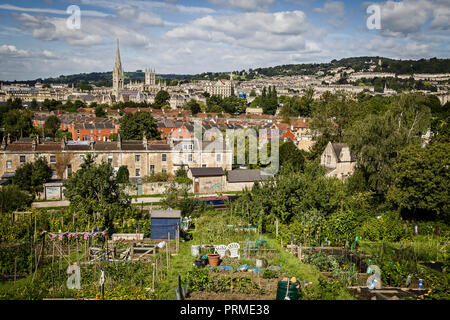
(92, 131)
(203, 165)
(8, 164)
(69, 170)
(164, 170)
(152, 169)
(52, 159)
(164, 157)
(78, 131)
(53, 174)
(328, 159)
(22, 159)
(138, 158)
(138, 172)
(219, 157)
(99, 131)
(110, 131)
(190, 157)
(110, 159)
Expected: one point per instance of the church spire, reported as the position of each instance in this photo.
(118, 63)
(118, 76)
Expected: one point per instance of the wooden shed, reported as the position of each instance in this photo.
(164, 222)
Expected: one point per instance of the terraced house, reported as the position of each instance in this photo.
(142, 157)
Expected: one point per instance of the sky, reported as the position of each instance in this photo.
(192, 36)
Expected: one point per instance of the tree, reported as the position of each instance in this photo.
(291, 156)
(33, 104)
(93, 191)
(420, 188)
(253, 93)
(377, 139)
(161, 99)
(123, 175)
(12, 199)
(32, 176)
(194, 106)
(18, 123)
(133, 126)
(51, 125)
(99, 112)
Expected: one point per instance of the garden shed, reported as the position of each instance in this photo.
(164, 222)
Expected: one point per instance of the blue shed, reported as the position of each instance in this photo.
(164, 222)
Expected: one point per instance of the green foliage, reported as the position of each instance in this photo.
(157, 177)
(193, 106)
(123, 176)
(377, 139)
(12, 199)
(290, 155)
(17, 123)
(269, 274)
(421, 185)
(94, 192)
(51, 125)
(134, 126)
(31, 176)
(198, 279)
(161, 99)
(388, 227)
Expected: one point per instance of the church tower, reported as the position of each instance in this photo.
(118, 78)
(150, 77)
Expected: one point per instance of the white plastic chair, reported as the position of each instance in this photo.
(234, 250)
(221, 249)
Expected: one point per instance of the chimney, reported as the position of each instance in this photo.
(144, 140)
(4, 144)
(63, 143)
(119, 141)
(8, 140)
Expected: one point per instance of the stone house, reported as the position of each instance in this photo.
(338, 160)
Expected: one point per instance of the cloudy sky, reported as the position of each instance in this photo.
(192, 36)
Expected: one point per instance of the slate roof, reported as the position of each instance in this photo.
(241, 175)
(207, 172)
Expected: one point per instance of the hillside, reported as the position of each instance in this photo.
(433, 65)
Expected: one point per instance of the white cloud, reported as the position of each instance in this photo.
(410, 17)
(336, 8)
(141, 17)
(270, 31)
(93, 31)
(88, 13)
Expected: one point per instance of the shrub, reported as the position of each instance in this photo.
(389, 227)
(157, 177)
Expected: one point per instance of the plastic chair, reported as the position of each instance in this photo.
(234, 250)
(221, 249)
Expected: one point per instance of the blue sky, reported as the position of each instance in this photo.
(187, 37)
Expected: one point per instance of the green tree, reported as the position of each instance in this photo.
(420, 188)
(32, 176)
(291, 156)
(51, 126)
(161, 99)
(18, 123)
(123, 175)
(377, 139)
(99, 112)
(94, 192)
(194, 106)
(133, 126)
(12, 199)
